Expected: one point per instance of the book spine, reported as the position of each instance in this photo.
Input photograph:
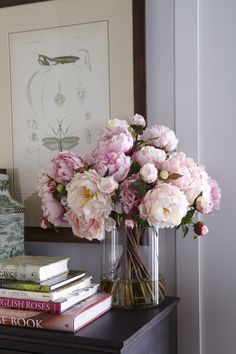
(44, 296)
(31, 305)
(39, 320)
(8, 284)
(20, 272)
(28, 295)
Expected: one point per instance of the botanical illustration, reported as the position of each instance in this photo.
(59, 95)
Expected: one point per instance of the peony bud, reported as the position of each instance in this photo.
(51, 184)
(44, 223)
(148, 173)
(60, 188)
(137, 119)
(164, 174)
(200, 228)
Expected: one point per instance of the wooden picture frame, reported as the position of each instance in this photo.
(36, 234)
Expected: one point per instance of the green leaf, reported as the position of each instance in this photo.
(185, 230)
(117, 217)
(135, 168)
(116, 196)
(138, 129)
(187, 218)
(56, 195)
(140, 187)
(143, 223)
(174, 176)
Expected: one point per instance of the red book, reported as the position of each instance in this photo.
(71, 320)
(57, 306)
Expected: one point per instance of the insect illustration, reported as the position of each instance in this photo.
(47, 61)
(60, 141)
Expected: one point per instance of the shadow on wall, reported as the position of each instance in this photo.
(82, 256)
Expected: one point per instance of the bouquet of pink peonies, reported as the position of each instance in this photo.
(133, 178)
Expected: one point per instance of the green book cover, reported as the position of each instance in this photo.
(45, 286)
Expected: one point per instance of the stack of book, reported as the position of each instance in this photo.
(41, 292)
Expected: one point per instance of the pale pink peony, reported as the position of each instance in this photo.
(108, 185)
(117, 165)
(53, 211)
(86, 228)
(194, 178)
(128, 195)
(65, 165)
(215, 194)
(165, 137)
(149, 173)
(209, 200)
(85, 196)
(150, 154)
(137, 119)
(116, 123)
(42, 180)
(118, 139)
(164, 206)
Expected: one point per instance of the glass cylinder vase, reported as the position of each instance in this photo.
(131, 267)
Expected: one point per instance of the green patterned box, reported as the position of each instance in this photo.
(11, 222)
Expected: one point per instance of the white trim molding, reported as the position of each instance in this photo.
(186, 124)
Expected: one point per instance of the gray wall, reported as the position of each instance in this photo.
(217, 52)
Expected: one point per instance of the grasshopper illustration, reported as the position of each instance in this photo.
(47, 61)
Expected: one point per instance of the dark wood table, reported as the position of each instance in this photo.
(118, 331)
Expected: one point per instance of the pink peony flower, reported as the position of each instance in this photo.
(137, 119)
(128, 195)
(150, 154)
(215, 194)
(116, 123)
(193, 179)
(165, 137)
(210, 198)
(148, 173)
(86, 228)
(42, 180)
(164, 206)
(200, 228)
(65, 165)
(118, 139)
(85, 196)
(108, 185)
(117, 165)
(53, 211)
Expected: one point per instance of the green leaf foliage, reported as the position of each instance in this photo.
(138, 129)
(135, 168)
(116, 196)
(117, 217)
(187, 218)
(140, 187)
(143, 223)
(174, 176)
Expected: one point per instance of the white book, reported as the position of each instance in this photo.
(46, 296)
(34, 268)
(62, 304)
